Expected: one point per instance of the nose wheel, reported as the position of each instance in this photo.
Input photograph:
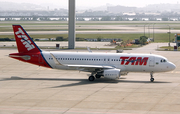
(152, 79)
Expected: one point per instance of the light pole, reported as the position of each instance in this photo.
(149, 29)
(72, 23)
(153, 32)
(169, 35)
(144, 28)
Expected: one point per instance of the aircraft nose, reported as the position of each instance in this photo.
(172, 66)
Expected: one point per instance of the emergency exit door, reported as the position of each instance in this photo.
(151, 61)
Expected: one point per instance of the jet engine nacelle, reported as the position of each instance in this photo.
(112, 74)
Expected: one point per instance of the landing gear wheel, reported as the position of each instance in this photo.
(98, 76)
(152, 79)
(91, 78)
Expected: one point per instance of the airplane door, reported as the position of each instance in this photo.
(151, 61)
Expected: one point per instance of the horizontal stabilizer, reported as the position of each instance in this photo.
(25, 57)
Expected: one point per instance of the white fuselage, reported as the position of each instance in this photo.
(125, 62)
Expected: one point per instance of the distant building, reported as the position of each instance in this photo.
(130, 13)
(121, 9)
(91, 40)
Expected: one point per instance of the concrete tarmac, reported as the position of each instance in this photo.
(130, 30)
(30, 89)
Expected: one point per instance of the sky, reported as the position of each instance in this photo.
(96, 3)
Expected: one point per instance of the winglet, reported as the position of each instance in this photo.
(89, 49)
(55, 60)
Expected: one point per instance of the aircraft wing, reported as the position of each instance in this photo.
(82, 67)
(91, 66)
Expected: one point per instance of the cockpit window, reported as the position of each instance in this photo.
(163, 60)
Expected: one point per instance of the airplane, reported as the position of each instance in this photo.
(107, 65)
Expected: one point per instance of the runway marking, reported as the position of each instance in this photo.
(36, 110)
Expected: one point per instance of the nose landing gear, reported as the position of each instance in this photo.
(152, 79)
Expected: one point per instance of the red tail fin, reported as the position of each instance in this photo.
(24, 42)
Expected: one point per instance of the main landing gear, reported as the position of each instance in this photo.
(92, 77)
(152, 79)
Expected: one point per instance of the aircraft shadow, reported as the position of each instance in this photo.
(80, 81)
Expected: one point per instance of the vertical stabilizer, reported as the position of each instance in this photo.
(24, 42)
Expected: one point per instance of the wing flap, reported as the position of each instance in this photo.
(91, 66)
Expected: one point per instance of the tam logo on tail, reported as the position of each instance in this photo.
(24, 39)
